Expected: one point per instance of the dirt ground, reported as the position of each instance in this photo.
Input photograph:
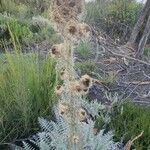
(120, 72)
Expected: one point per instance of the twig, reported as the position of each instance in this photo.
(101, 83)
(142, 102)
(147, 76)
(130, 142)
(128, 57)
(138, 82)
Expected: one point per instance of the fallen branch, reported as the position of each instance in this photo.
(111, 44)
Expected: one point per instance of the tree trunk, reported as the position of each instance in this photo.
(139, 38)
(144, 39)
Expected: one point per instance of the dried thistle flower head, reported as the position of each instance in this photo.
(57, 50)
(59, 2)
(84, 30)
(63, 74)
(76, 86)
(72, 3)
(75, 139)
(82, 114)
(86, 81)
(78, 6)
(66, 10)
(63, 108)
(75, 6)
(57, 19)
(59, 89)
(72, 29)
(85, 90)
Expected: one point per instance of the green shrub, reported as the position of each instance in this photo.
(20, 31)
(124, 11)
(14, 27)
(24, 8)
(8, 6)
(131, 122)
(26, 92)
(36, 7)
(45, 33)
(116, 17)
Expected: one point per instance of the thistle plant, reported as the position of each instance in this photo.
(73, 128)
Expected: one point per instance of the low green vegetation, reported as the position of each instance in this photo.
(116, 17)
(86, 67)
(84, 50)
(129, 120)
(27, 84)
(24, 8)
(27, 21)
(33, 30)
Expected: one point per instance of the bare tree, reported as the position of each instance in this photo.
(141, 31)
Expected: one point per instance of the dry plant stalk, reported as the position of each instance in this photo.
(66, 15)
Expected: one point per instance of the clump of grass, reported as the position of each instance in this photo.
(26, 92)
(86, 67)
(84, 49)
(130, 122)
(21, 31)
(36, 30)
(7, 6)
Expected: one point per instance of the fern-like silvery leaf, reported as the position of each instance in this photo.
(27, 146)
(54, 135)
(100, 141)
(93, 107)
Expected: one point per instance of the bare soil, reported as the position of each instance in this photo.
(130, 77)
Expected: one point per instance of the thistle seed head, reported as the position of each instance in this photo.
(63, 108)
(57, 50)
(58, 2)
(84, 30)
(72, 4)
(86, 81)
(63, 74)
(59, 89)
(66, 10)
(76, 87)
(72, 30)
(75, 139)
(82, 115)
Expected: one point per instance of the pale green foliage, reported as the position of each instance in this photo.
(115, 17)
(93, 108)
(55, 134)
(84, 49)
(27, 84)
